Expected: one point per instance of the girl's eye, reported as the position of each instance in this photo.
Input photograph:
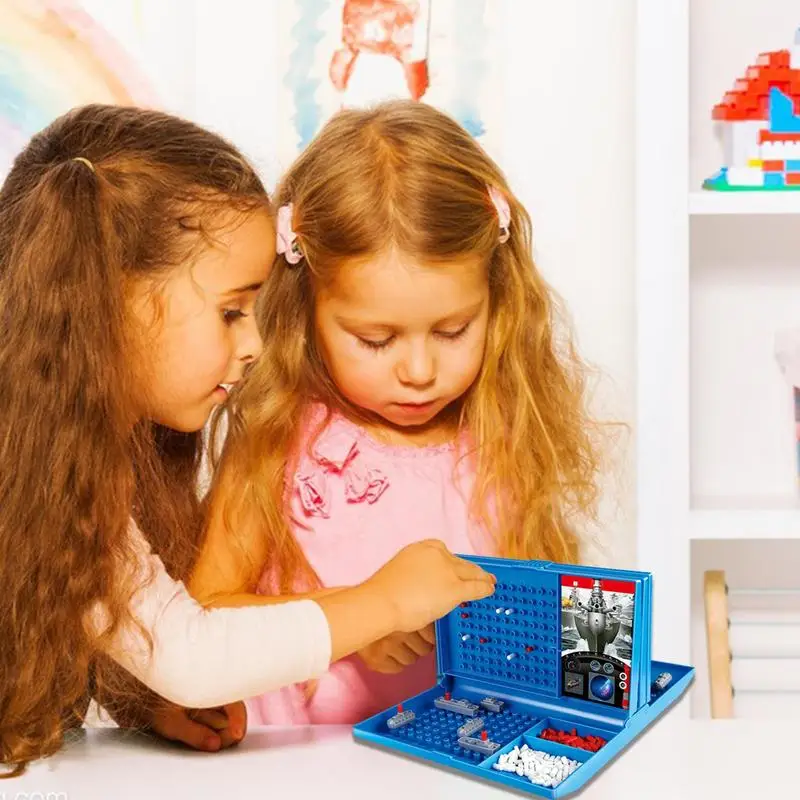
(372, 345)
(452, 335)
(230, 315)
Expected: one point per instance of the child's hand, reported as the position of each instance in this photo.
(209, 729)
(425, 581)
(395, 652)
(135, 707)
(422, 583)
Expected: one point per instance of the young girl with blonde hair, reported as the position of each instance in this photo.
(413, 386)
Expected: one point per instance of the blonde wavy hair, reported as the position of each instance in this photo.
(404, 175)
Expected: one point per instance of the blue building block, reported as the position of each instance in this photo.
(782, 118)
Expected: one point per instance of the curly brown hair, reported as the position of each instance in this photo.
(102, 198)
(404, 175)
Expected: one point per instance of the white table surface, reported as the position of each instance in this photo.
(675, 759)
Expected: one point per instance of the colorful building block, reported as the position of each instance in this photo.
(760, 121)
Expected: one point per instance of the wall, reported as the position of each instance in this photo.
(569, 155)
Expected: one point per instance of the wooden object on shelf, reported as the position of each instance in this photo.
(715, 594)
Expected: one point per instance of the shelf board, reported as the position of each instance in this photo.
(745, 518)
(705, 203)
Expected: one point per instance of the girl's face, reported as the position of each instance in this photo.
(404, 339)
(206, 333)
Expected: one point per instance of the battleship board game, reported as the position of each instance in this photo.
(540, 685)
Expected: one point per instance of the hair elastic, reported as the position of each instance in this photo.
(287, 244)
(84, 161)
(503, 212)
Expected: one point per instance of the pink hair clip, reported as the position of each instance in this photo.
(503, 212)
(287, 244)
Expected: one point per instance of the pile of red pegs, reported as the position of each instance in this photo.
(571, 738)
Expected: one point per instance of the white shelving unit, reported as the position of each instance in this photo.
(741, 522)
(662, 300)
(717, 203)
(717, 275)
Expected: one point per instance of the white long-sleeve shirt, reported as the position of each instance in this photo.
(203, 658)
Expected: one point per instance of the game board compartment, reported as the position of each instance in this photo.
(515, 719)
(521, 717)
(581, 729)
(543, 745)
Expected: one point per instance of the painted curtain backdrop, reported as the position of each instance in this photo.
(339, 53)
(54, 55)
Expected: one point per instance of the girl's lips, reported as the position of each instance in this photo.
(412, 408)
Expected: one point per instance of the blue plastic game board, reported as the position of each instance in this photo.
(556, 648)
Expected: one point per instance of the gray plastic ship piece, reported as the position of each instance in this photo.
(398, 720)
(662, 681)
(484, 746)
(470, 727)
(457, 706)
(490, 704)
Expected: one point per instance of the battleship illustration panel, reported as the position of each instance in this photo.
(597, 618)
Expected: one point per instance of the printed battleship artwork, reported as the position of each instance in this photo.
(335, 54)
(597, 618)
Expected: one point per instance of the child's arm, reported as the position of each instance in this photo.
(226, 574)
(230, 560)
(203, 658)
(228, 569)
(246, 599)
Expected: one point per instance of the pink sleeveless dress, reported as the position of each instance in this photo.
(358, 502)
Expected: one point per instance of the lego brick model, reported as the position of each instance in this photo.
(542, 684)
(759, 126)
